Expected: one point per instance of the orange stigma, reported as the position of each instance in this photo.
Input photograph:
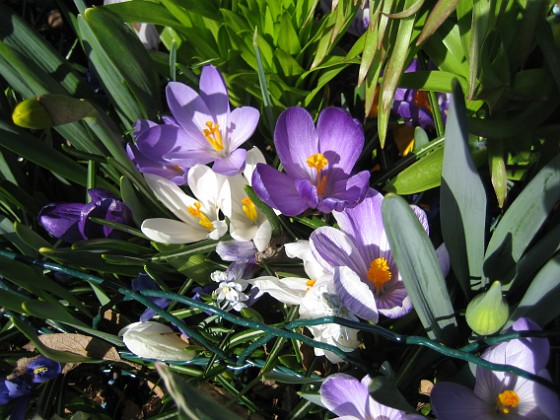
(249, 209)
(379, 273)
(318, 161)
(203, 220)
(506, 401)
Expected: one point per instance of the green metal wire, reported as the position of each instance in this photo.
(285, 330)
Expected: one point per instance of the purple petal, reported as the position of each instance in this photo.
(158, 140)
(457, 402)
(232, 164)
(277, 190)
(347, 193)
(344, 395)
(422, 217)
(213, 92)
(337, 249)
(188, 109)
(146, 165)
(296, 139)
(61, 220)
(444, 260)
(308, 193)
(341, 138)
(394, 301)
(355, 294)
(242, 124)
(43, 369)
(236, 250)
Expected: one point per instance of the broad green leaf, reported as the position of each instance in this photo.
(8, 232)
(550, 50)
(11, 301)
(50, 310)
(191, 402)
(446, 51)
(420, 269)
(420, 176)
(462, 201)
(540, 302)
(532, 24)
(498, 170)
(532, 260)
(523, 220)
(30, 237)
(287, 36)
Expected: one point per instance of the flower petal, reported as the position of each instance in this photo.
(232, 164)
(290, 290)
(457, 402)
(355, 294)
(188, 109)
(344, 395)
(337, 249)
(296, 139)
(171, 196)
(341, 138)
(213, 92)
(277, 190)
(169, 231)
(242, 124)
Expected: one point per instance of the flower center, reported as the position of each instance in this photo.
(203, 220)
(318, 161)
(421, 100)
(40, 370)
(213, 136)
(506, 401)
(249, 209)
(379, 273)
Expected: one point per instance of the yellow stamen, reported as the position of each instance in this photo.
(249, 209)
(203, 220)
(319, 161)
(379, 273)
(213, 136)
(177, 168)
(40, 369)
(506, 401)
(310, 283)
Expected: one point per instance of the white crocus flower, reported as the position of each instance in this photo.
(153, 340)
(246, 221)
(291, 290)
(320, 302)
(198, 217)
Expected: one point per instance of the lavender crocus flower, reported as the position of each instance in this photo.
(71, 222)
(202, 130)
(498, 395)
(42, 369)
(317, 161)
(147, 154)
(365, 275)
(413, 105)
(349, 398)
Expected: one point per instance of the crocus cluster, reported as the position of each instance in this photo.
(17, 389)
(72, 222)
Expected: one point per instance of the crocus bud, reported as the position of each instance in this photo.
(51, 110)
(488, 311)
(71, 221)
(31, 114)
(153, 340)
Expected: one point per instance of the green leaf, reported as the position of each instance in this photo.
(438, 15)
(191, 402)
(122, 64)
(463, 201)
(50, 310)
(498, 170)
(420, 176)
(420, 269)
(144, 11)
(287, 36)
(540, 302)
(523, 220)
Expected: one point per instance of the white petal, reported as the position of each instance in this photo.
(254, 156)
(262, 236)
(169, 231)
(290, 290)
(153, 340)
(170, 195)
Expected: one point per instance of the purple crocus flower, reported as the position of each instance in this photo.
(498, 395)
(349, 398)
(202, 130)
(147, 154)
(365, 275)
(71, 222)
(42, 369)
(413, 105)
(317, 161)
